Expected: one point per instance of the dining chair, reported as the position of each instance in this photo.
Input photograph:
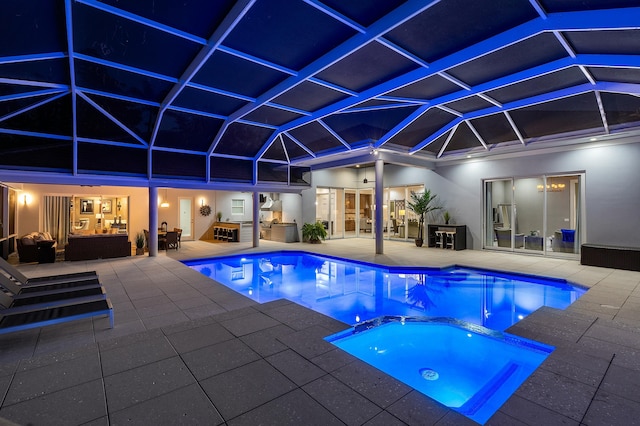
(179, 231)
(162, 241)
(146, 239)
(171, 240)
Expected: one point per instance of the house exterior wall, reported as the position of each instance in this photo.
(612, 188)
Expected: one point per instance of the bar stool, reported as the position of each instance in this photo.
(440, 239)
(451, 239)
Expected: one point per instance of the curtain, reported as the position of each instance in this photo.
(56, 218)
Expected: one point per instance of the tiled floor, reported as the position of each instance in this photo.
(185, 350)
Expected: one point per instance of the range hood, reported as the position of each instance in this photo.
(271, 205)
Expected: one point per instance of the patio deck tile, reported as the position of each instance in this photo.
(186, 349)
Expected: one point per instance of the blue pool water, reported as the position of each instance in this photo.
(353, 292)
(442, 331)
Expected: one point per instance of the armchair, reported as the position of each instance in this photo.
(564, 241)
(504, 238)
(37, 247)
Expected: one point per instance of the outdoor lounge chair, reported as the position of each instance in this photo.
(18, 318)
(36, 294)
(18, 276)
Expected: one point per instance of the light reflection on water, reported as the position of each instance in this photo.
(354, 292)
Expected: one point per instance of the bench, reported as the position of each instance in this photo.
(627, 258)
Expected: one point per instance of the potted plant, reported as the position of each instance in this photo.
(139, 243)
(447, 217)
(421, 204)
(314, 233)
(219, 216)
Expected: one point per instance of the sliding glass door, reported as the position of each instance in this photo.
(331, 207)
(538, 215)
(499, 214)
(350, 212)
(529, 203)
(564, 229)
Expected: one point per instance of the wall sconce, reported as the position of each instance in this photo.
(119, 206)
(202, 202)
(26, 198)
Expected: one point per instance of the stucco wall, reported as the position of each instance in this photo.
(611, 185)
(612, 189)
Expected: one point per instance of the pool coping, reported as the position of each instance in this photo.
(401, 268)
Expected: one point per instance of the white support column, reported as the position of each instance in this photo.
(256, 219)
(379, 213)
(153, 221)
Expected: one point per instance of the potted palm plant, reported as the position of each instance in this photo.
(421, 204)
(139, 243)
(313, 233)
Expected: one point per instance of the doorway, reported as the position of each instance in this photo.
(186, 218)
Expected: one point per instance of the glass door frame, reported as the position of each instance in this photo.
(352, 212)
(577, 213)
(334, 218)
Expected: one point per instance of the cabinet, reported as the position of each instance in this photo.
(284, 233)
(460, 236)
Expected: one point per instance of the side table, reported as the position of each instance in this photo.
(532, 242)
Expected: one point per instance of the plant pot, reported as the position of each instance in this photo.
(139, 251)
(419, 242)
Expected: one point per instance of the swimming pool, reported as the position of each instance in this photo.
(353, 292)
(453, 349)
(425, 354)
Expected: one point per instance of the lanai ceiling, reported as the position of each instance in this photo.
(212, 92)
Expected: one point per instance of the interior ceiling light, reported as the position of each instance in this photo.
(365, 180)
(165, 202)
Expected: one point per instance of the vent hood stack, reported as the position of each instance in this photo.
(276, 206)
(267, 204)
(271, 205)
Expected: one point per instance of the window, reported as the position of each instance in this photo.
(237, 207)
